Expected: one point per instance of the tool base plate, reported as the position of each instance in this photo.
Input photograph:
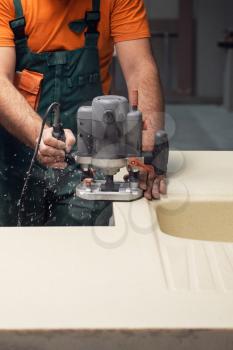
(126, 192)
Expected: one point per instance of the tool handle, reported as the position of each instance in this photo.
(159, 157)
(70, 159)
(59, 133)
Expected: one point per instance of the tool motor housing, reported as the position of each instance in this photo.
(108, 133)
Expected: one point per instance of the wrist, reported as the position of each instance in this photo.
(36, 133)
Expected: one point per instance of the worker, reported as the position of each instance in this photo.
(61, 50)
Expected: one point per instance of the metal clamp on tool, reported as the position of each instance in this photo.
(110, 138)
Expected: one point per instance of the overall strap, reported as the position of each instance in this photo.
(92, 19)
(95, 5)
(18, 24)
(18, 8)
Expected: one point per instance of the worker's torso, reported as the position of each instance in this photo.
(47, 28)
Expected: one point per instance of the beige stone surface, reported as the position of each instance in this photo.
(200, 220)
(128, 277)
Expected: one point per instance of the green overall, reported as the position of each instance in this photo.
(71, 78)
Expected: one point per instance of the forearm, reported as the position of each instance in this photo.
(151, 103)
(141, 74)
(16, 115)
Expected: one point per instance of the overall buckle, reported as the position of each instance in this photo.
(18, 27)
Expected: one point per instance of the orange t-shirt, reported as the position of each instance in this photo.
(47, 26)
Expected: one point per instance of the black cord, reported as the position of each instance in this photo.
(25, 186)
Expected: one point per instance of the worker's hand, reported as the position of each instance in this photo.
(52, 151)
(153, 185)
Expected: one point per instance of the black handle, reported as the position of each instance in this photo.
(59, 134)
(70, 159)
(159, 157)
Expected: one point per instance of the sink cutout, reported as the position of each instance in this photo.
(208, 221)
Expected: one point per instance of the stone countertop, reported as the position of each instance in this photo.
(127, 277)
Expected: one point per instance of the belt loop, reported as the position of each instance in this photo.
(69, 83)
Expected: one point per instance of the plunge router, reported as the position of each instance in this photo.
(109, 139)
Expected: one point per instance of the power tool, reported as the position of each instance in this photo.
(109, 139)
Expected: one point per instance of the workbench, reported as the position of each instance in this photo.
(127, 286)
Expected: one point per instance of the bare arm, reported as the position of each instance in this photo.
(15, 113)
(19, 119)
(141, 73)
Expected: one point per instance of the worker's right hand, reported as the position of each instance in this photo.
(52, 151)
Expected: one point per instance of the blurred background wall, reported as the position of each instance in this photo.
(185, 35)
(195, 59)
(212, 17)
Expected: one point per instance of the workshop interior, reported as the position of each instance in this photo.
(192, 43)
(148, 274)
